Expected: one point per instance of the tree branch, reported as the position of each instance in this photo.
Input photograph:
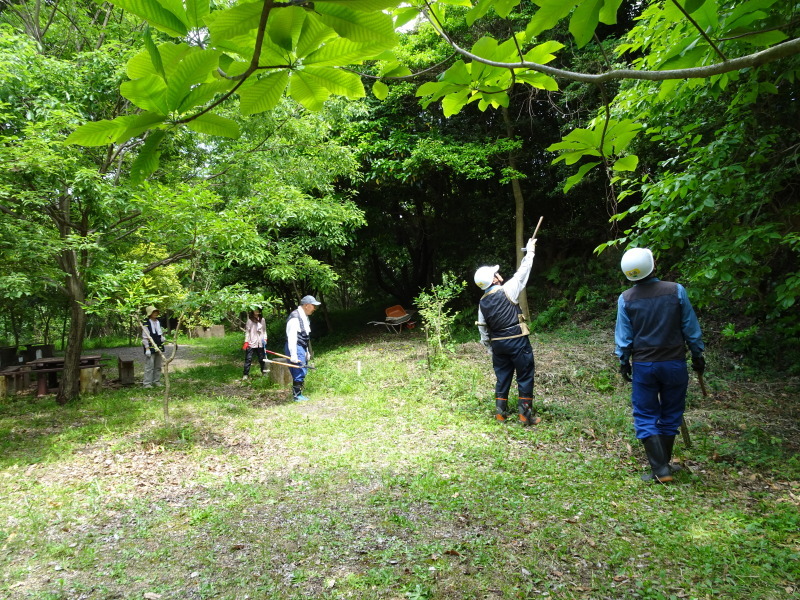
(783, 50)
(179, 255)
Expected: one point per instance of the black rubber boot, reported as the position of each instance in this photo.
(526, 413)
(668, 442)
(657, 459)
(297, 391)
(501, 409)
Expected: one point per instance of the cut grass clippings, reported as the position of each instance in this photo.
(397, 483)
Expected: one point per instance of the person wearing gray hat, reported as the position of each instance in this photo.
(298, 334)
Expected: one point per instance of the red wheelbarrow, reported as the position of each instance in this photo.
(397, 319)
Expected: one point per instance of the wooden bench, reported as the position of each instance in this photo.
(13, 379)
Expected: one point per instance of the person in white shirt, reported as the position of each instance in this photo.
(255, 341)
(505, 335)
(152, 338)
(298, 334)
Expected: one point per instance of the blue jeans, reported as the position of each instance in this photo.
(298, 375)
(659, 397)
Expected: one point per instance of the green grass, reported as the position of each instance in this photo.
(396, 483)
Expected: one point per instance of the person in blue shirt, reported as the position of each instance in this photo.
(505, 335)
(655, 324)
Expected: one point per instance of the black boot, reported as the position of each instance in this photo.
(657, 459)
(501, 409)
(297, 391)
(526, 413)
(667, 442)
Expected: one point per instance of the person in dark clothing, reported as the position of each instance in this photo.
(505, 335)
(655, 323)
(298, 333)
(152, 338)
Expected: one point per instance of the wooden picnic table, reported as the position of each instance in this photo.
(47, 369)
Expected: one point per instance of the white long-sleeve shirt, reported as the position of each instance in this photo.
(293, 328)
(512, 289)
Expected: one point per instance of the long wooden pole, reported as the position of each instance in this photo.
(535, 231)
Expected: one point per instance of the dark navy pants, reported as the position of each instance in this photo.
(508, 357)
(659, 397)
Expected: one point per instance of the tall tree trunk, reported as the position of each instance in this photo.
(70, 380)
(519, 210)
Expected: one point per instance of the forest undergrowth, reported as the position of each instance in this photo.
(395, 482)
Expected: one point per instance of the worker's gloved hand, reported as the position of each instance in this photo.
(625, 370)
(531, 245)
(699, 363)
(147, 352)
(245, 346)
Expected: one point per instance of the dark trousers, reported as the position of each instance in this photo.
(248, 359)
(508, 357)
(659, 397)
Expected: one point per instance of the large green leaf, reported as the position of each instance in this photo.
(308, 91)
(239, 19)
(627, 163)
(98, 133)
(155, 14)
(542, 54)
(380, 90)
(584, 21)
(357, 26)
(139, 124)
(196, 67)
(362, 5)
(537, 80)
(342, 51)
(479, 10)
(147, 93)
(214, 125)
(153, 52)
(170, 55)
(204, 92)
(284, 26)
(313, 35)
(453, 103)
(146, 162)
(608, 14)
(549, 13)
(336, 81)
(196, 11)
(577, 177)
(264, 94)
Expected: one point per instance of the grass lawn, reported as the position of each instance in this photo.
(397, 483)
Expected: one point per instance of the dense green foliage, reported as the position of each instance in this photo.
(230, 154)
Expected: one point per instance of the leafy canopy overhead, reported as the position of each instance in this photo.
(259, 51)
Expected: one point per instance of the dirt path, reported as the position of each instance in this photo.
(186, 357)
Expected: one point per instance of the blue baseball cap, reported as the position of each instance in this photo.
(309, 300)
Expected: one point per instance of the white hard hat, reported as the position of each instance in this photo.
(637, 263)
(485, 275)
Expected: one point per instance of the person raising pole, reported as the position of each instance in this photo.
(505, 334)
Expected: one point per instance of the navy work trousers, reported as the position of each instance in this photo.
(508, 357)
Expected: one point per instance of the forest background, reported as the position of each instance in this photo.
(208, 157)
